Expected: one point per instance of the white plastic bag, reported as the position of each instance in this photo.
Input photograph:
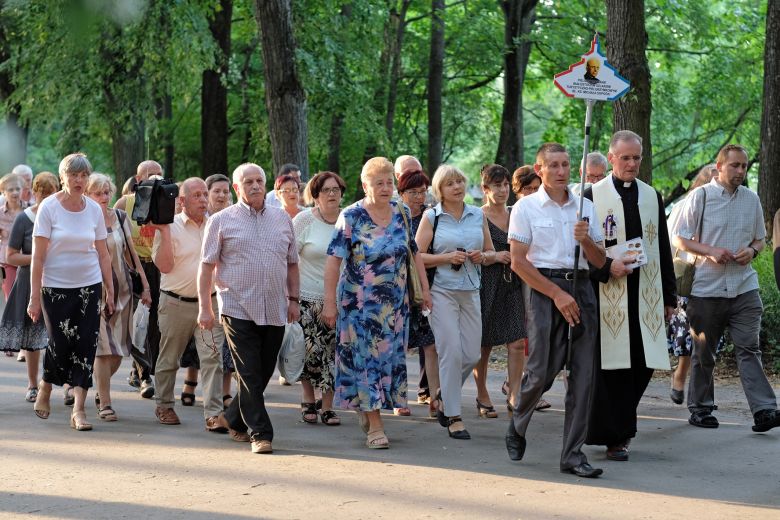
(293, 352)
(140, 326)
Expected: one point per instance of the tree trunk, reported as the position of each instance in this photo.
(626, 44)
(435, 82)
(334, 142)
(128, 150)
(284, 95)
(214, 97)
(769, 155)
(13, 135)
(395, 67)
(519, 16)
(164, 113)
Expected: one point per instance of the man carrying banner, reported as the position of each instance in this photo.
(633, 302)
(543, 231)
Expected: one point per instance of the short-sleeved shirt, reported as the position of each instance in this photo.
(251, 250)
(142, 236)
(312, 237)
(187, 238)
(731, 221)
(7, 218)
(71, 258)
(548, 229)
(451, 233)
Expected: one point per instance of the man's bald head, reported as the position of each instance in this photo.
(146, 169)
(193, 183)
(238, 173)
(194, 198)
(406, 164)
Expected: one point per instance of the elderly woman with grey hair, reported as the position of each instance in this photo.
(114, 341)
(373, 240)
(70, 266)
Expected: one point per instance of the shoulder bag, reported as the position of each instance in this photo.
(685, 268)
(137, 286)
(413, 282)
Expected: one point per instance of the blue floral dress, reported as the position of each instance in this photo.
(372, 325)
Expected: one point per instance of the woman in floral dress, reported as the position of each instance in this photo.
(371, 238)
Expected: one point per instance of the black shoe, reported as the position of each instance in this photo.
(765, 420)
(583, 470)
(462, 435)
(703, 419)
(515, 443)
(147, 389)
(618, 453)
(133, 380)
(677, 396)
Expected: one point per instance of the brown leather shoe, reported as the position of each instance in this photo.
(166, 416)
(235, 435)
(260, 446)
(213, 425)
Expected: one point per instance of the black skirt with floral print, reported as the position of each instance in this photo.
(72, 318)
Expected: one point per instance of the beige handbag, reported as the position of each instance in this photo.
(685, 263)
(413, 283)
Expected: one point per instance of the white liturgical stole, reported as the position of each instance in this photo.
(613, 295)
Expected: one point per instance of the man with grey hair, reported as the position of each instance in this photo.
(142, 238)
(176, 253)
(595, 167)
(26, 173)
(633, 299)
(253, 248)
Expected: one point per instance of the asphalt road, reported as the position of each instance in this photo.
(137, 469)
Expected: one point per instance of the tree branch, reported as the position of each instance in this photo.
(428, 14)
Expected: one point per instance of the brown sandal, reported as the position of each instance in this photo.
(78, 421)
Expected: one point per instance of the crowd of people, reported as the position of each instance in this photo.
(217, 287)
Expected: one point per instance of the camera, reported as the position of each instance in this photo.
(155, 201)
(456, 267)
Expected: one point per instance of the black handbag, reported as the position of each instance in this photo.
(155, 201)
(431, 271)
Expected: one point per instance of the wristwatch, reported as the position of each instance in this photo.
(755, 251)
(294, 299)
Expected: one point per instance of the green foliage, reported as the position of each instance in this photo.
(770, 321)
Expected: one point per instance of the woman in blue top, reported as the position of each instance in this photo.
(461, 245)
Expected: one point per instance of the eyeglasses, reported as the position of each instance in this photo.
(331, 191)
(289, 190)
(416, 193)
(213, 344)
(529, 189)
(626, 158)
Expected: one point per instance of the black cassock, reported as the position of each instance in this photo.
(617, 392)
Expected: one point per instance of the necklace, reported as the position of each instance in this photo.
(319, 212)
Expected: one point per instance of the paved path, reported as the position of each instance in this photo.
(137, 469)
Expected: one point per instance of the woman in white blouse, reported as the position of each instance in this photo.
(313, 231)
(70, 266)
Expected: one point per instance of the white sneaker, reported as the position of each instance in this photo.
(20, 358)
(284, 382)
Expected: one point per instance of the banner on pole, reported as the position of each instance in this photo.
(592, 77)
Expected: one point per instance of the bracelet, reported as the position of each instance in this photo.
(294, 299)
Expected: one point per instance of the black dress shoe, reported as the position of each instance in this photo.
(618, 452)
(584, 470)
(515, 443)
(677, 396)
(457, 434)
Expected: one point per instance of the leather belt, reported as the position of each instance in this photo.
(182, 298)
(566, 274)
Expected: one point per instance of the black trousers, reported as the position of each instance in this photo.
(144, 363)
(255, 349)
